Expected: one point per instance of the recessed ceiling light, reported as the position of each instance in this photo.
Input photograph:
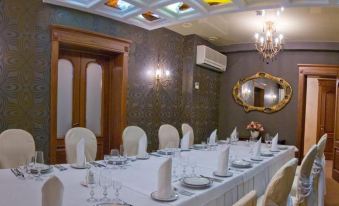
(187, 25)
(213, 38)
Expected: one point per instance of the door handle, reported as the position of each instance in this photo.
(76, 125)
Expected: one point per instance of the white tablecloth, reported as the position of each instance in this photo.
(139, 180)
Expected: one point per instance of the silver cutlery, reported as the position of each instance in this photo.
(183, 192)
(212, 178)
(60, 167)
(20, 173)
(17, 173)
(95, 164)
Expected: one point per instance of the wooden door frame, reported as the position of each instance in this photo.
(118, 50)
(306, 70)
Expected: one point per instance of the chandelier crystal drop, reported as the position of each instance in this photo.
(269, 42)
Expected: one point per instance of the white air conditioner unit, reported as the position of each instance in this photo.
(211, 59)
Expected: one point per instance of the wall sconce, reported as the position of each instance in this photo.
(159, 73)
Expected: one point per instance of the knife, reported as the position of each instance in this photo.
(212, 178)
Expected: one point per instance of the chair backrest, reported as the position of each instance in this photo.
(321, 146)
(130, 138)
(16, 147)
(250, 199)
(52, 192)
(168, 137)
(278, 190)
(307, 163)
(187, 128)
(73, 136)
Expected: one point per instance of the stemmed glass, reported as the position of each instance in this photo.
(92, 182)
(268, 139)
(105, 182)
(123, 157)
(117, 186)
(39, 164)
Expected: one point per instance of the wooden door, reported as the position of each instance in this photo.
(83, 84)
(326, 114)
(335, 169)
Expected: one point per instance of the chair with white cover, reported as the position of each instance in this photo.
(72, 138)
(318, 171)
(168, 137)
(185, 128)
(303, 182)
(130, 138)
(16, 147)
(250, 199)
(278, 190)
(52, 192)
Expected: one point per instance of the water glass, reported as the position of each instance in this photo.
(184, 164)
(193, 166)
(39, 164)
(107, 158)
(105, 182)
(117, 186)
(268, 139)
(29, 166)
(92, 182)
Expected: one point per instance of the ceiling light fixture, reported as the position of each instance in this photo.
(269, 42)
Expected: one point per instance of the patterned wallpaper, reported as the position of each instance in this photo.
(25, 70)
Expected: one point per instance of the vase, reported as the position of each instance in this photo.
(254, 134)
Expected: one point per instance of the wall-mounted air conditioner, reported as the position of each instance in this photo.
(211, 58)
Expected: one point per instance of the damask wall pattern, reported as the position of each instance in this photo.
(25, 68)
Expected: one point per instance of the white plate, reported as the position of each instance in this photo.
(199, 146)
(241, 164)
(143, 158)
(196, 182)
(173, 197)
(275, 151)
(267, 154)
(283, 147)
(228, 174)
(258, 159)
(75, 166)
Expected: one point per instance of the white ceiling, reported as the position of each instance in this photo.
(311, 24)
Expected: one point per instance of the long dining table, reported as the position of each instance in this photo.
(139, 180)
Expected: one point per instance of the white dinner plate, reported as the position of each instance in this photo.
(241, 164)
(145, 157)
(196, 182)
(266, 154)
(258, 159)
(199, 146)
(228, 174)
(283, 147)
(174, 196)
(75, 166)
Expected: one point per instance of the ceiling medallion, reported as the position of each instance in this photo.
(268, 42)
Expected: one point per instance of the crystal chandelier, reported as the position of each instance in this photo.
(269, 42)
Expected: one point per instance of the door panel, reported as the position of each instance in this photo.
(335, 170)
(80, 98)
(326, 113)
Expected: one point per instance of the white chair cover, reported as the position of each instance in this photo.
(73, 136)
(319, 182)
(52, 192)
(185, 128)
(130, 138)
(303, 183)
(168, 137)
(250, 199)
(277, 191)
(16, 147)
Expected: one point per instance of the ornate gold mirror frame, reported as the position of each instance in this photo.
(247, 107)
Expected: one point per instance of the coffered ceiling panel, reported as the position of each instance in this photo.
(153, 14)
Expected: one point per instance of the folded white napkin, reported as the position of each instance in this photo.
(142, 146)
(223, 161)
(257, 148)
(52, 192)
(81, 158)
(234, 133)
(165, 179)
(213, 137)
(275, 143)
(185, 141)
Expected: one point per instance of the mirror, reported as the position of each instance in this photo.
(262, 92)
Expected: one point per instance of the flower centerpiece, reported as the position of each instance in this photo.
(255, 128)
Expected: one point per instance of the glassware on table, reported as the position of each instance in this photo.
(184, 164)
(29, 165)
(123, 156)
(268, 139)
(107, 158)
(92, 182)
(115, 154)
(39, 164)
(194, 167)
(117, 186)
(105, 181)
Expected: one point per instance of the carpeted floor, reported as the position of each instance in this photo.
(332, 187)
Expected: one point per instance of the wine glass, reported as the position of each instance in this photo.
(117, 186)
(92, 182)
(39, 164)
(268, 139)
(105, 182)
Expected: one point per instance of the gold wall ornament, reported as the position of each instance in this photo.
(262, 92)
